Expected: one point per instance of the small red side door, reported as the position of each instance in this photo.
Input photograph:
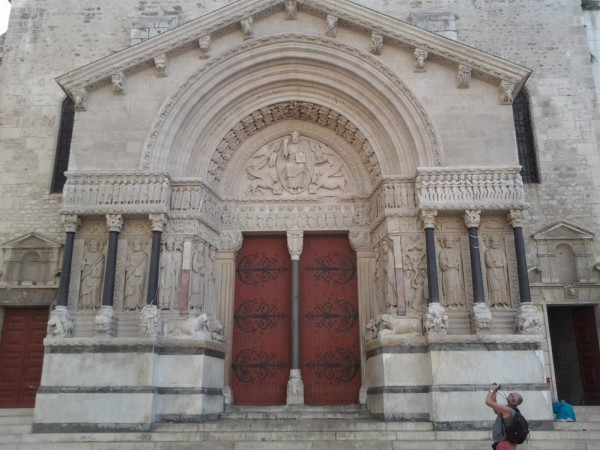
(586, 336)
(21, 355)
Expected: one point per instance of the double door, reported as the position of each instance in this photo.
(328, 328)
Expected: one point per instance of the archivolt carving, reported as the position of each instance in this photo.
(411, 101)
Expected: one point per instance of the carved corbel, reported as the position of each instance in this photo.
(160, 62)
(420, 58)
(80, 99)
(332, 22)
(231, 240)
(464, 77)
(247, 25)
(360, 239)
(376, 43)
(204, 42)
(118, 83)
(291, 10)
(515, 218)
(506, 92)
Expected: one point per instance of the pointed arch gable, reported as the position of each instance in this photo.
(195, 119)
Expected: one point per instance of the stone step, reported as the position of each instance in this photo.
(285, 413)
(579, 425)
(16, 420)
(12, 412)
(15, 429)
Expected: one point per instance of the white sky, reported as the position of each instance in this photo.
(4, 12)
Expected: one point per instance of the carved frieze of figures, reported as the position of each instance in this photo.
(200, 327)
(497, 273)
(92, 274)
(415, 272)
(171, 258)
(295, 164)
(482, 188)
(450, 265)
(135, 276)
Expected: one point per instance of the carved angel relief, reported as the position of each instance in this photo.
(294, 165)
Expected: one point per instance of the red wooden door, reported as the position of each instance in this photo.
(586, 336)
(21, 355)
(329, 341)
(261, 332)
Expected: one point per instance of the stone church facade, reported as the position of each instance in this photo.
(301, 203)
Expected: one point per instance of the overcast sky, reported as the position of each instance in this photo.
(4, 11)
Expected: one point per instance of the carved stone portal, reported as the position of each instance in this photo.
(294, 165)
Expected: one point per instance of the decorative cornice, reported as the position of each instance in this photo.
(230, 17)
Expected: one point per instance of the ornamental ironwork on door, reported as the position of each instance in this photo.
(261, 337)
(329, 350)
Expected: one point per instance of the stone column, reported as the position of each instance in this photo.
(60, 321)
(528, 319)
(150, 316)
(295, 386)
(230, 243)
(360, 240)
(436, 320)
(481, 317)
(106, 322)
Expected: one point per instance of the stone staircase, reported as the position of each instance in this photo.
(282, 429)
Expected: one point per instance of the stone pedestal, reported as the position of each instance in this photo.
(127, 384)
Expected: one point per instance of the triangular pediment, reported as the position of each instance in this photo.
(563, 231)
(31, 241)
(509, 76)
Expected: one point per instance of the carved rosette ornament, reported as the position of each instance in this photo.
(464, 77)
(160, 62)
(291, 10)
(332, 22)
(436, 320)
(204, 42)
(231, 240)
(295, 388)
(114, 222)
(295, 242)
(481, 318)
(60, 323)
(159, 221)
(376, 43)
(428, 218)
(420, 59)
(516, 217)
(118, 83)
(150, 321)
(70, 223)
(247, 25)
(528, 319)
(472, 218)
(505, 92)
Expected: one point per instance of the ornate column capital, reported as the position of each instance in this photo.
(114, 222)
(472, 218)
(159, 221)
(428, 218)
(295, 242)
(70, 222)
(360, 239)
(231, 240)
(515, 218)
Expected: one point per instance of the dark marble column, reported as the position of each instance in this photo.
(158, 224)
(428, 218)
(115, 225)
(70, 223)
(295, 390)
(515, 218)
(472, 221)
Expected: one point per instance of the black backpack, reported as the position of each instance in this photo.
(519, 429)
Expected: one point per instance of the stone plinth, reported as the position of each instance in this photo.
(444, 379)
(127, 384)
